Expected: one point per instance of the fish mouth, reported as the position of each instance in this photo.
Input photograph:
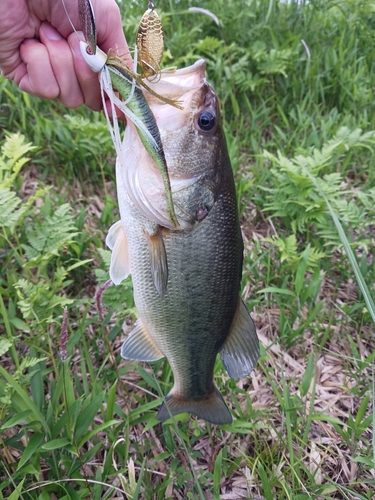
(183, 86)
(173, 84)
(189, 88)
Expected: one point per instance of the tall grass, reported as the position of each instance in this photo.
(295, 81)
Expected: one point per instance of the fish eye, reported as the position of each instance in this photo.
(206, 121)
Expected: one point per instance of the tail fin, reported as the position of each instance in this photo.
(213, 408)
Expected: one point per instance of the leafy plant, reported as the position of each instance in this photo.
(289, 252)
(12, 160)
(294, 196)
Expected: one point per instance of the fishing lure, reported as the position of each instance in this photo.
(150, 42)
(114, 73)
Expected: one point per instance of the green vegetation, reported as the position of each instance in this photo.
(296, 82)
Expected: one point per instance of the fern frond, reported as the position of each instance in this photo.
(5, 345)
(275, 62)
(295, 197)
(50, 235)
(13, 157)
(29, 362)
(209, 44)
(9, 203)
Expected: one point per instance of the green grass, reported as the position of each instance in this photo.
(300, 129)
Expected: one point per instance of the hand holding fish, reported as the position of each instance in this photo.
(41, 54)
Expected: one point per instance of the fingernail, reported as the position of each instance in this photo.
(50, 32)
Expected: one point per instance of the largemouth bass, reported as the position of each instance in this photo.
(186, 280)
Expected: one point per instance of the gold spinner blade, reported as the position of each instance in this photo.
(150, 42)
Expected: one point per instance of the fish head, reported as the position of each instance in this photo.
(194, 148)
(191, 133)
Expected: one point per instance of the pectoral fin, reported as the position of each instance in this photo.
(212, 408)
(158, 262)
(240, 351)
(139, 346)
(120, 262)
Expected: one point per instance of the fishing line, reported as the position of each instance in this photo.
(133, 79)
(113, 125)
(68, 17)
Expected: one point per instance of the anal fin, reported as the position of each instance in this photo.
(139, 346)
(158, 262)
(120, 262)
(240, 351)
(212, 408)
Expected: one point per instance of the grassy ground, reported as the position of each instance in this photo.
(296, 86)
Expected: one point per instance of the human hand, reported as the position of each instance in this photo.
(41, 53)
